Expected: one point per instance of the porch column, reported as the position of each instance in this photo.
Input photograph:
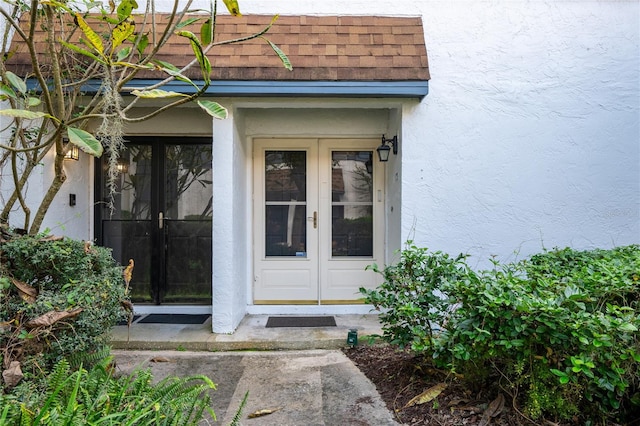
(224, 299)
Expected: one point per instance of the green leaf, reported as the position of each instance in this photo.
(92, 37)
(23, 113)
(85, 141)
(156, 94)
(205, 65)
(214, 109)
(82, 51)
(7, 91)
(186, 22)
(121, 32)
(123, 53)
(281, 55)
(173, 71)
(142, 44)
(232, 7)
(125, 8)
(16, 82)
(206, 32)
(627, 326)
(31, 101)
(166, 65)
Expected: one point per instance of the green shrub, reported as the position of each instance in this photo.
(559, 328)
(413, 297)
(96, 397)
(77, 292)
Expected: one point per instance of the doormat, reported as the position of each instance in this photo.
(325, 321)
(174, 319)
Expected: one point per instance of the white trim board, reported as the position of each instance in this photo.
(310, 309)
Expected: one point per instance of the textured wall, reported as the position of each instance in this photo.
(530, 134)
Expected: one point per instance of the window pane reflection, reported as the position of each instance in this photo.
(285, 206)
(352, 203)
(132, 199)
(188, 182)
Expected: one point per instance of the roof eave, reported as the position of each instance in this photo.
(253, 88)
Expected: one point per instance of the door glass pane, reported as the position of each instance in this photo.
(133, 185)
(352, 203)
(188, 182)
(188, 212)
(285, 203)
(128, 229)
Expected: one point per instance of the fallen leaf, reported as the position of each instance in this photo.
(27, 293)
(493, 410)
(88, 247)
(264, 412)
(127, 273)
(12, 375)
(159, 359)
(52, 317)
(426, 396)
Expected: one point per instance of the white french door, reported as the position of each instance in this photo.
(318, 220)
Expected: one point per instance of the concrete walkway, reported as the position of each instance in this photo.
(300, 373)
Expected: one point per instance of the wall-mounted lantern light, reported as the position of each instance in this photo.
(73, 153)
(384, 149)
(122, 166)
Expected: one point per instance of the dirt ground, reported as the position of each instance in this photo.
(401, 376)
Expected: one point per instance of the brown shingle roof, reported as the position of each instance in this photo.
(320, 48)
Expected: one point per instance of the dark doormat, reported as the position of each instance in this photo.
(174, 319)
(325, 321)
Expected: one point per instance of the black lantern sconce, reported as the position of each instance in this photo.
(384, 149)
(123, 165)
(73, 153)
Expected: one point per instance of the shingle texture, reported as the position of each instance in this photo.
(320, 48)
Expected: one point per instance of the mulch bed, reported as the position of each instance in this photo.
(400, 376)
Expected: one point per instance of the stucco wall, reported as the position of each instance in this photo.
(529, 137)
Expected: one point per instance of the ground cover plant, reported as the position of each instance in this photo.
(555, 334)
(97, 397)
(59, 300)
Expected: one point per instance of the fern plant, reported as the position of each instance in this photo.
(96, 397)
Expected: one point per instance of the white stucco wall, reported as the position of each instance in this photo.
(529, 137)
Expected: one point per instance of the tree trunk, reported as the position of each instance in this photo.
(53, 190)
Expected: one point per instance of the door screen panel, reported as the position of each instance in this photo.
(187, 222)
(129, 230)
(129, 239)
(162, 219)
